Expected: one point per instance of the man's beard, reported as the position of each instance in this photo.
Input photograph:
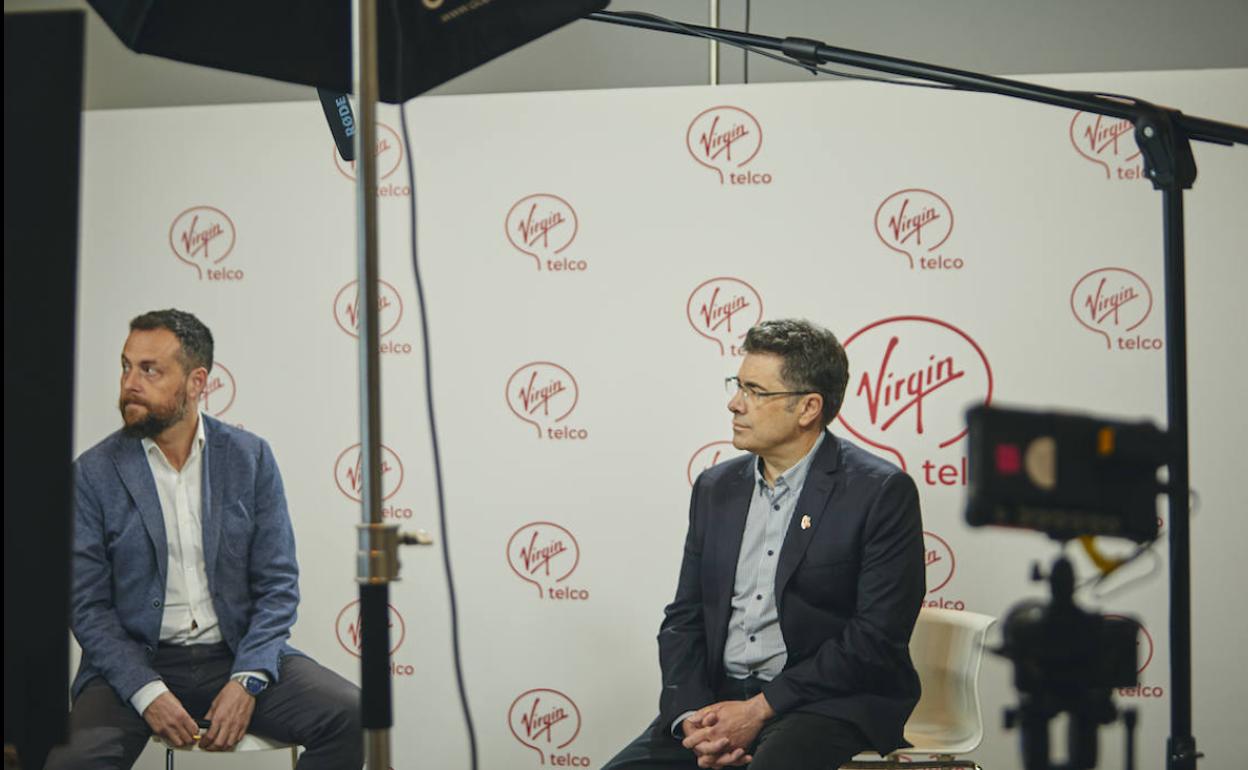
(157, 420)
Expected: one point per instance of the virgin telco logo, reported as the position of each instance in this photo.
(1112, 302)
(545, 554)
(941, 565)
(1107, 142)
(708, 455)
(919, 375)
(543, 394)
(219, 391)
(347, 313)
(389, 150)
(1144, 656)
(349, 474)
(202, 237)
(917, 223)
(725, 139)
(547, 721)
(543, 226)
(348, 628)
(722, 310)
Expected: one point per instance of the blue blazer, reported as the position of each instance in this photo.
(848, 591)
(121, 553)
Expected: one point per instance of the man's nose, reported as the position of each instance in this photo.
(736, 404)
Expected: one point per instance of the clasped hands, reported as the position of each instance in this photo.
(229, 715)
(720, 734)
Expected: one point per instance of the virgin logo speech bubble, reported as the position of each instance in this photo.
(914, 221)
(202, 236)
(1111, 300)
(543, 553)
(389, 151)
(544, 720)
(1107, 142)
(349, 472)
(723, 309)
(219, 391)
(918, 376)
(541, 226)
(347, 310)
(542, 394)
(939, 560)
(724, 138)
(708, 455)
(347, 626)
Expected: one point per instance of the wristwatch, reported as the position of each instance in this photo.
(254, 685)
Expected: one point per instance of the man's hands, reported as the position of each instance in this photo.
(720, 733)
(170, 721)
(229, 714)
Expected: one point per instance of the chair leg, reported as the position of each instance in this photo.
(168, 758)
(294, 757)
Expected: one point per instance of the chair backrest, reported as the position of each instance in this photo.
(947, 647)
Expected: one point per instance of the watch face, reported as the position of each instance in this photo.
(253, 685)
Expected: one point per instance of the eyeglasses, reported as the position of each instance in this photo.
(734, 387)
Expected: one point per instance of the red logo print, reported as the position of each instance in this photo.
(347, 308)
(722, 310)
(918, 376)
(389, 154)
(724, 139)
(1111, 301)
(349, 472)
(939, 560)
(541, 226)
(219, 391)
(542, 394)
(544, 554)
(545, 720)
(713, 453)
(348, 628)
(202, 236)
(1107, 142)
(914, 222)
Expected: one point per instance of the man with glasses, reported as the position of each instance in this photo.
(787, 645)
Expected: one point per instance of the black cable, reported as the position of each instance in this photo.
(745, 56)
(811, 68)
(433, 427)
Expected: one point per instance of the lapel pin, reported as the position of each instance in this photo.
(805, 522)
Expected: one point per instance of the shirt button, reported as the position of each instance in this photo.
(759, 597)
(771, 553)
(775, 507)
(156, 602)
(751, 637)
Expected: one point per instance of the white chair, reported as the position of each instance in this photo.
(248, 743)
(947, 647)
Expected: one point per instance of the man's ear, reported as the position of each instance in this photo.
(812, 410)
(197, 381)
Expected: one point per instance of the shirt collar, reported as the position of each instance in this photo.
(196, 446)
(794, 477)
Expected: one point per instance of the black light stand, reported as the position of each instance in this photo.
(1163, 136)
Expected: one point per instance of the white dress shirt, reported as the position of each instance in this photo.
(189, 617)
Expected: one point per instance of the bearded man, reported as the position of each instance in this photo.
(185, 584)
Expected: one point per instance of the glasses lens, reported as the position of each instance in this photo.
(731, 387)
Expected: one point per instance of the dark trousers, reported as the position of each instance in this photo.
(309, 705)
(793, 741)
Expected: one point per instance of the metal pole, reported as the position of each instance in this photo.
(1181, 749)
(713, 14)
(375, 563)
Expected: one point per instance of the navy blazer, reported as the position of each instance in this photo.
(848, 591)
(121, 552)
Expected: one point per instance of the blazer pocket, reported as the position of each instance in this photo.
(236, 530)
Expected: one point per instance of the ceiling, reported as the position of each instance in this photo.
(1001, 37)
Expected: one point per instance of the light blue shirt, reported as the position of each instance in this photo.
(755, 646)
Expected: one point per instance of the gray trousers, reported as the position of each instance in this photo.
(309, 705)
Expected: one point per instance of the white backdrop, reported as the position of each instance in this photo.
(592, 259)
